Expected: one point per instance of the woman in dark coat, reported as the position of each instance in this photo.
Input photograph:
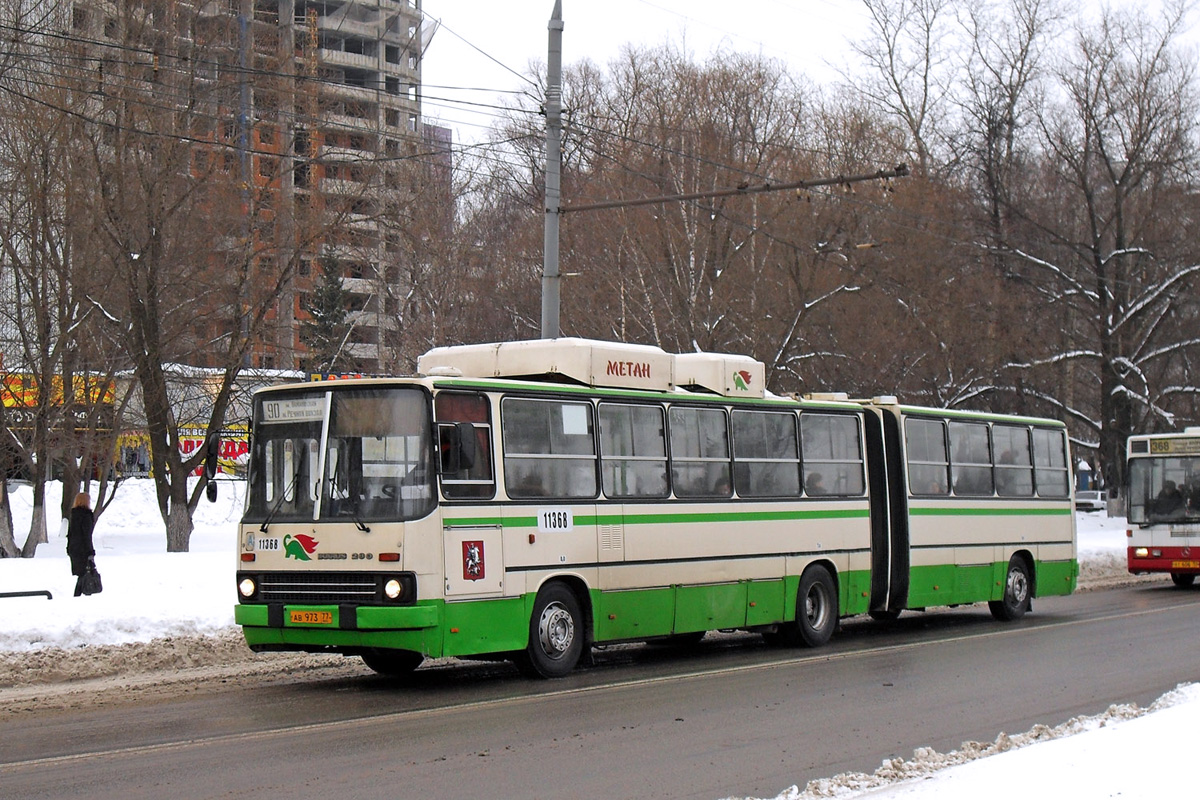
(79, 537)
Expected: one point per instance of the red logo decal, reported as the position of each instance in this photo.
(473, 561)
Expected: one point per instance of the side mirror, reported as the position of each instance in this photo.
(210, 491)
(213, 452)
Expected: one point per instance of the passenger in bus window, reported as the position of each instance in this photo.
(1169, 501)
(815, 484)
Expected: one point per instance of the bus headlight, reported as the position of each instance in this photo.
(246, 587)
(1141, 552)
(393, 589)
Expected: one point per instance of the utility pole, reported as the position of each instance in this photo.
(550, 275)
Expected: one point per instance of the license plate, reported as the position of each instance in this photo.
(311, 617)
(1185, 565)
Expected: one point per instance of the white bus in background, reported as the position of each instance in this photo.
(1164, 504)
(528, 500)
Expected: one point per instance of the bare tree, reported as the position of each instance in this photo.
(909, 59)
(176, 209)
(59, 386)
(1104, 234)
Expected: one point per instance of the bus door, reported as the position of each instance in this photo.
(889, 513)
(472, 538)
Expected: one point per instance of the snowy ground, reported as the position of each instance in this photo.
(159, 608)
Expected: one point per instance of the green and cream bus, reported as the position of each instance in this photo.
(528, 500)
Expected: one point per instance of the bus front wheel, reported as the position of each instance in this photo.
(1181, 580)
(555, 634)
(1017, 590)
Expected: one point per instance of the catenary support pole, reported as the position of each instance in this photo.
(550, 274)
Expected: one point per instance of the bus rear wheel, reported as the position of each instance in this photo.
(1017, 589)
(816, 612)
(816, 606)
(1182, 580)
(392, 663)
(556, 634)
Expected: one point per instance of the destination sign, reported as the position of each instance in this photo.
(296, 409)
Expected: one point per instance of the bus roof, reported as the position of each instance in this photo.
(603, 364)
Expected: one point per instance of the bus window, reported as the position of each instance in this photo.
(477, 480)
(831, 449)
(970, 459)
(699, 452)
(1050, 463)
(928, 466)
(1014, 467)
(284, 485)
(633, 451)
(549, 448)
(1164, 488)
(766, 462)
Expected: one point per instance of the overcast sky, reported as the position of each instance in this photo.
(487, 45)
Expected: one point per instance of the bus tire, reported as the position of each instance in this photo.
(1018, 587)
(816, 606)
(556, 634)
(1182, 580)
(392, 663)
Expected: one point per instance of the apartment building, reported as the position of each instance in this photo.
(326, 117)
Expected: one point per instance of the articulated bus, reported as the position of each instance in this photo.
(528, 500)
(1164, 504)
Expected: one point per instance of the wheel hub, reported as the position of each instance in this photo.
(1018, 586)
(815, 607)
(556, 630)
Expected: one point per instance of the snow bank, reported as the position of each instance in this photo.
(1112, 754)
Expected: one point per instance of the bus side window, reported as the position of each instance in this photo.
(831, 449)
(552, 440)
(633, 450)
(970, 458)
(928, 464)
(1014, 466)
(1050, 463)
(471, 413)
(699, 452)
(765, 456)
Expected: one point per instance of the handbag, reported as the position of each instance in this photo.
(89, 582)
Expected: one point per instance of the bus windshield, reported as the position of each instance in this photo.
(1164, 490)
(377, 462)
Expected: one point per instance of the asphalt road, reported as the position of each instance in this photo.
(730, 718)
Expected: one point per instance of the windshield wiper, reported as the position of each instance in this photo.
(279, 503)
(358, 523)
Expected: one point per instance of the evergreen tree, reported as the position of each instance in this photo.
(326, 330)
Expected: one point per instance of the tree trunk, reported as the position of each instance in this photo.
(8, 542)
(37, 524)
(179, 521)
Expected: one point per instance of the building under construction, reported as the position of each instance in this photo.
(326, 118)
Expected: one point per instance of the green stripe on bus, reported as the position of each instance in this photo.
(668, 518)
(989, 512)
